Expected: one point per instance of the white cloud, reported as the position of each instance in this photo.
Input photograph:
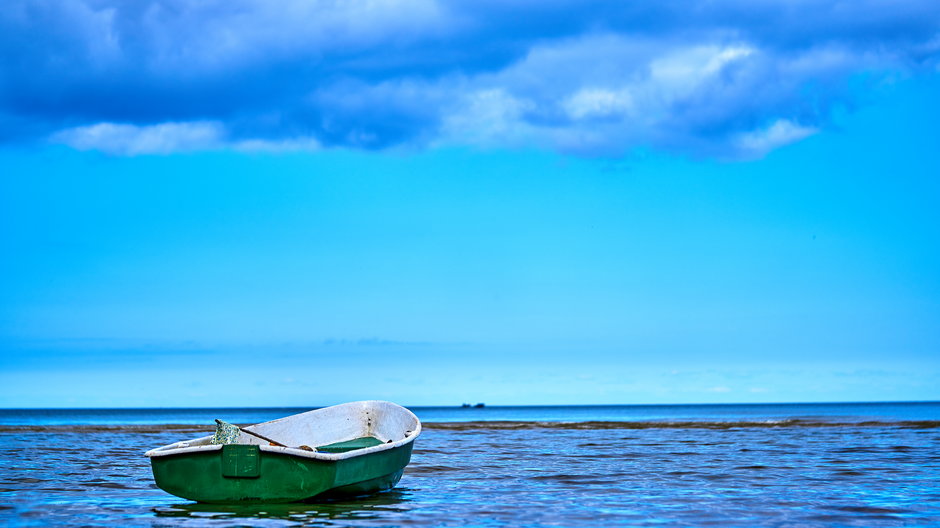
(758, 143)
(489, 117)
(167, 138)
(682, 70)
(214, 35)
(286, 145)
(163, 138)
(598, 102)
(563, 95)
(383, 73)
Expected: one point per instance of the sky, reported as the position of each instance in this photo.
(249, 203)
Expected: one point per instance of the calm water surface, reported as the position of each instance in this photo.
(842, 412)
(868, 469)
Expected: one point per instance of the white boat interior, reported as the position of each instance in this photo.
(333, 433)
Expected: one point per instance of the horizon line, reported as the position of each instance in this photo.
(486, 406)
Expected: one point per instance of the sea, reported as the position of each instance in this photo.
(780, 465)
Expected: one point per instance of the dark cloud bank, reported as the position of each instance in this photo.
(727, 79)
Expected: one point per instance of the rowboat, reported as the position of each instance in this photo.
(342, 451)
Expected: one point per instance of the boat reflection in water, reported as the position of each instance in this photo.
(384, 506)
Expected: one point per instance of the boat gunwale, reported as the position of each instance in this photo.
(177, 449)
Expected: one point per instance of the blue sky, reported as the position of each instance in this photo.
(562, 202)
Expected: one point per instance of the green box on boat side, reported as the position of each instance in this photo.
(281, 478)
(242, 461)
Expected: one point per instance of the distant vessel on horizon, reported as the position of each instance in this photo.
(477, 406)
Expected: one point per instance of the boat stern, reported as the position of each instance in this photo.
(241, 473)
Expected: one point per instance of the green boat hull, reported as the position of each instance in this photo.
(238, 474)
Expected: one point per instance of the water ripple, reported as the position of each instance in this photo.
(530, 474)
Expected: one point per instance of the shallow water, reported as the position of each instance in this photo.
(602, 473)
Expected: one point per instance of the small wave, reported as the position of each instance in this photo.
(145, 428)
(765, 424)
